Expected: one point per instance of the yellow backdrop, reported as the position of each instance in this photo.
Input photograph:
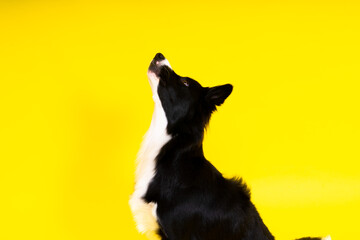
(75, 103)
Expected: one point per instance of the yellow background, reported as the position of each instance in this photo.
(75, 103)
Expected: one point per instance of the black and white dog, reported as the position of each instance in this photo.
(178, 193)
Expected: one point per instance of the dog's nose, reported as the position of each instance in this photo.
(159, 57)
(155, 65)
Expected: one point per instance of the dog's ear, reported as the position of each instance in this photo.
(217, 95)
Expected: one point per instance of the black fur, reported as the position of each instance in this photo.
(194, 201)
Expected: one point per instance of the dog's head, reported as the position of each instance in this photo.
(187, 105)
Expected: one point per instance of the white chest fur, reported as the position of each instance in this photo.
(155, 138)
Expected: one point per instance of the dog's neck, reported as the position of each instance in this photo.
(159, 144)
(155, 138)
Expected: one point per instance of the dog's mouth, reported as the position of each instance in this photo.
(155, 63)
(158, 62)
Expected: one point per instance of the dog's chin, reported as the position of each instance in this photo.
(156, 65)
(153, 81)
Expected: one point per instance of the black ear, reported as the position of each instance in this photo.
(217, 95)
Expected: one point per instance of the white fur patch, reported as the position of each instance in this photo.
(326, 238)
(165, 62)
(155, 138)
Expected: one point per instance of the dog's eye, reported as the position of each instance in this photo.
(185, 82)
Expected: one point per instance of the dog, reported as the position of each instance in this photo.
(178, 193)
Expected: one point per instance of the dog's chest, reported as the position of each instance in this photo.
(145, 213)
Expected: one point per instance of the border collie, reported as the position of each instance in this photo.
(178, 193)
